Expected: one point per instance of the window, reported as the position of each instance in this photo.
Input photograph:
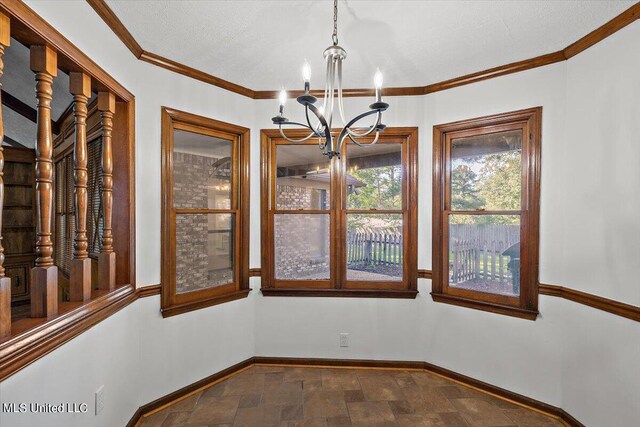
(205, 217)
(486, 190)
(345, 227)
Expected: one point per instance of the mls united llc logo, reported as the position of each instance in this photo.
(46, 408)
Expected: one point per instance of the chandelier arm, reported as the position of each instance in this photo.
(362, 144)
(326, 87)
(344, 133)
(315, 129)
(327, 128)
(369, 129)
(291, 139)
(328, 111)
(340, 99)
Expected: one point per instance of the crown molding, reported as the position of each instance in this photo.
(597, 35)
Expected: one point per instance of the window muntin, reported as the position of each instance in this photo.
(486, 208)
(345, 219)
(205, 217)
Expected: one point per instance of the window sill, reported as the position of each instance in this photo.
(485, 306)
(341, 293)
(191, 306)
(26, 347)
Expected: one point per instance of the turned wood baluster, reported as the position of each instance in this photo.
(80, 275)
(44, 276)
(107, 257)
(5, 282)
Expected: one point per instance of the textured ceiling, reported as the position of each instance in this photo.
(262, 44)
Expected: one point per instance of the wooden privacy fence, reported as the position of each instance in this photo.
(374, 248)
(475, 251)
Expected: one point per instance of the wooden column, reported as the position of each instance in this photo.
(5, 282)
(44, 276)
(107, 257)
(80, 274)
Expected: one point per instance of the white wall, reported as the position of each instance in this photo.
(573, 356)
(136, 354)
(599, 231)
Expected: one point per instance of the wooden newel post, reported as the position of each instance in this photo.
(44, 276)
(5, 282)
(107, 257)
(80, 275)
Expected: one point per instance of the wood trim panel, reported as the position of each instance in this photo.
(341, 293)
(580, 45)
(148, 291)
(528, 122)
(185, 70)
(188, 390)
(173, 303)
(501, 70)
(602, 32)
(424, 274)
(337, 284)
(255, 272)
(478, 385)
(491, 307)
(118, 28)
(25, 348)
(605, 304)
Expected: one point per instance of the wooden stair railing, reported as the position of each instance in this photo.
(5, 282)
(44, 276)
(107, 256)
(80, 271)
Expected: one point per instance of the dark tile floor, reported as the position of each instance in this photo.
(264, 396)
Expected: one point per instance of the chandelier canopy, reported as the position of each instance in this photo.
(331, 145)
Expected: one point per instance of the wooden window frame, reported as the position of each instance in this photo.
(173, 303)
(337, 285)
(526, 305)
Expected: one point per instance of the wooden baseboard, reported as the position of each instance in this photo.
(188, 390)
(482, 386)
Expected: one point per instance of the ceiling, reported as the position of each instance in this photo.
(262, 44)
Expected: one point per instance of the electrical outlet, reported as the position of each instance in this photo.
(99, 399)
(344, 339)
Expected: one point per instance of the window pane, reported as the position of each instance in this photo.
(302, 246)
(201, 171)
(374, 176)
(204, 251)
(486, 171)
(303, 177)
(484, 253)
(374, 247)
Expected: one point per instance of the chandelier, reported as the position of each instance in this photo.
(331, 145)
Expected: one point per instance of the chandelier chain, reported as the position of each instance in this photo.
(334, 37)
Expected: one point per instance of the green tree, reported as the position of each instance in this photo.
(500, 184)
(382, 190)
(464, 191)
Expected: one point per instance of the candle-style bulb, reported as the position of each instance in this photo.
(377, 79)
(282, 97)
(306, 72)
